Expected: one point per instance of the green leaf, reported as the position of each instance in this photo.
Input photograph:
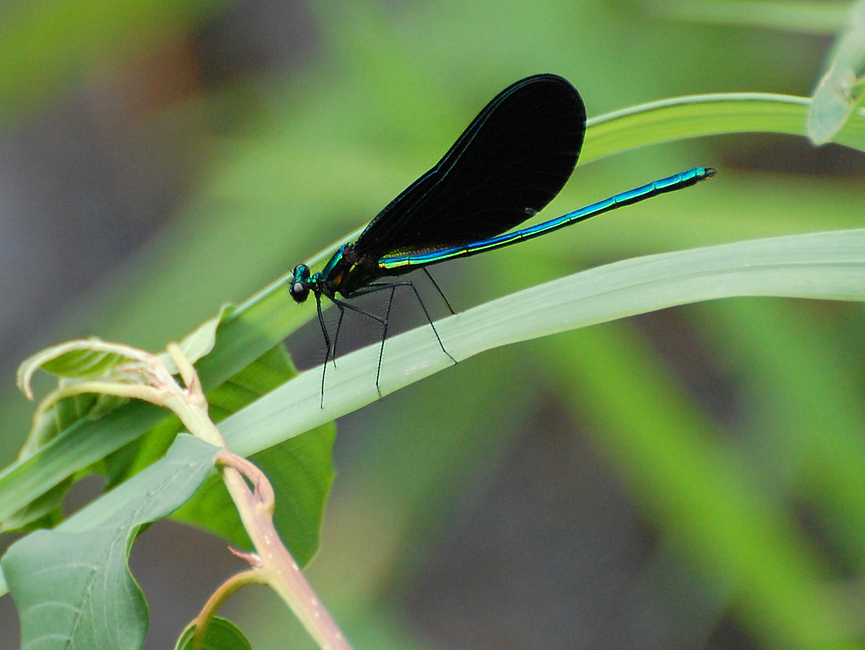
(94, 358)
(840, 89)
(828, 265)
(300, 469)
(64, 414)
(301, 472)
(72, 585)
(82, 363)
(221, 634)
(144, 450)
(139, 454)
(700, 115)
(44, 512)
(77, 363)
(74, 359)
(200, 341)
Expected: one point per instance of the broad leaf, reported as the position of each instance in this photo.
(72, 585)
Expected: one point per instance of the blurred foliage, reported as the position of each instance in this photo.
(50, 46)
(315, 151)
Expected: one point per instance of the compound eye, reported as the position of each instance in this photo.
(299, 291)
(299, 283)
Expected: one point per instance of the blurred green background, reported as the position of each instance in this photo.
(160, 158)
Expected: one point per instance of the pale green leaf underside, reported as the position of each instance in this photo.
(701, 115)
(828, 265)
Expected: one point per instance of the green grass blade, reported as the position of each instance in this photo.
(822, 265)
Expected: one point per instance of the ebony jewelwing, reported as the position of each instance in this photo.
(510, 162)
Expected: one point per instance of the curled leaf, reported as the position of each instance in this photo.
(79, 359)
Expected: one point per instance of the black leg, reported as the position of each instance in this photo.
(328, 349)
(373, 288)
(382, 321)
(439, 289)
(336, 335)
(383, 339)
(342, 305)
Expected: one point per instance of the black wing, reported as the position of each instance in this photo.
(510, 162)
